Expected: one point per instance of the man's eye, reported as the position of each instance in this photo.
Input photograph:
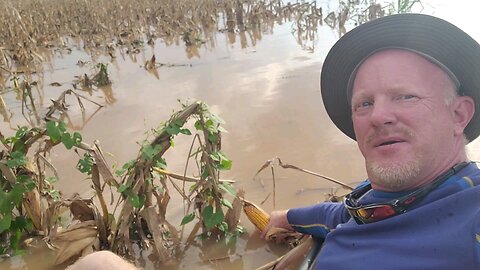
(406, 97)
(364, 104)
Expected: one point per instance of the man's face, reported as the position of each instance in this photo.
(404, 119)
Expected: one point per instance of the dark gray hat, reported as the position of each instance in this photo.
(432, 37)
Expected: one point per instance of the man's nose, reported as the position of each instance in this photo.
(382, 114)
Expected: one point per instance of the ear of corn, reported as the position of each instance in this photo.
(256, 215)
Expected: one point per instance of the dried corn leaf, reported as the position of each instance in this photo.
(150, 64)
(280, 235)
(291, 257)
(81, 210)
(33, 207)
(159, 233)
(70, 249)
(76, 234)
(91, 248)
(233, 215)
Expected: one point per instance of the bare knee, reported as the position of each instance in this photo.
(102, 260)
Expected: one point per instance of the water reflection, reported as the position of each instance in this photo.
(145, 24)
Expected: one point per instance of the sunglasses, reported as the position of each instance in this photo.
(369, 213)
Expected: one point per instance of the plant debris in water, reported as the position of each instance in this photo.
(30, 206)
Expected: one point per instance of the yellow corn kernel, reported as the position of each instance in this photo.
(256, 215)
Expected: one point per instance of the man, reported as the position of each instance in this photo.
(405, 87)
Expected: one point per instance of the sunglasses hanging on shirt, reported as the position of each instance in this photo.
(369, 213)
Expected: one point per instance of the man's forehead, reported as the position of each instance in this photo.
(395, 60)
(401, 59)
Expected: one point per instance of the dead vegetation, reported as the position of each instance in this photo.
(31, 207)
(34, 27)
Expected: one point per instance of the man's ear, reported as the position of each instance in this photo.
(463, 110)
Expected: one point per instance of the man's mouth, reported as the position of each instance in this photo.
(389, 142)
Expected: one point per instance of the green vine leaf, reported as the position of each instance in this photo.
(211, 219)
(227, 203)
(21, 132)
(229, 188)
(85, 164)
(135, 200)
(149, 152)
(188, 218)
(55, 130)
(16, 159)
(5, 222)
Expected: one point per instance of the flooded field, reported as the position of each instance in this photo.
(255, 63)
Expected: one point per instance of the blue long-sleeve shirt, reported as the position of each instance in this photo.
(441, 232)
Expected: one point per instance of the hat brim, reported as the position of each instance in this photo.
(423, 33)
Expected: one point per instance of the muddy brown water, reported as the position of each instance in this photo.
(267, 91)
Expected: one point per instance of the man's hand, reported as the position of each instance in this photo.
(278, 219)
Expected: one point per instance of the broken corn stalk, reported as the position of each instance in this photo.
(256, 215)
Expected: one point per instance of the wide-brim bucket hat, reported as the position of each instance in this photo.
(430, 36)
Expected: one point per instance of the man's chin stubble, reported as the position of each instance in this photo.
(394, 176)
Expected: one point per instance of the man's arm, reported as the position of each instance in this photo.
(316, 220)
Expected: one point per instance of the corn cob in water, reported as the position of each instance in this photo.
(256, 215)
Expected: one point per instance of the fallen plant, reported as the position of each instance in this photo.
(276, 161)
(30, 206)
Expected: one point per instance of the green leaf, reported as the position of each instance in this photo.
(185, 131)
(205, 173)
(51, 180)
(5, 222)
(227, 203)
(9, 140)
(173, 129)
(161, 163)
(223, 226)
(67, 140)
(15, 195)
(213, 137)
(20, 223)
(135, 200)
(21, 132)
(208, 212)
(30, 185)
(186, 219)
(229, 188)
(178, 122)
(198, 125)
(230, 238)
(15, 240)
(5, 203)
(85, 165)
(211, 219)
(122, 188)
(212, 127)
(127, 166)
(16, 159)
(55, 194)
(215, 156)
(149, 152)
(77, 138)
(225, 164)
(55, 130)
